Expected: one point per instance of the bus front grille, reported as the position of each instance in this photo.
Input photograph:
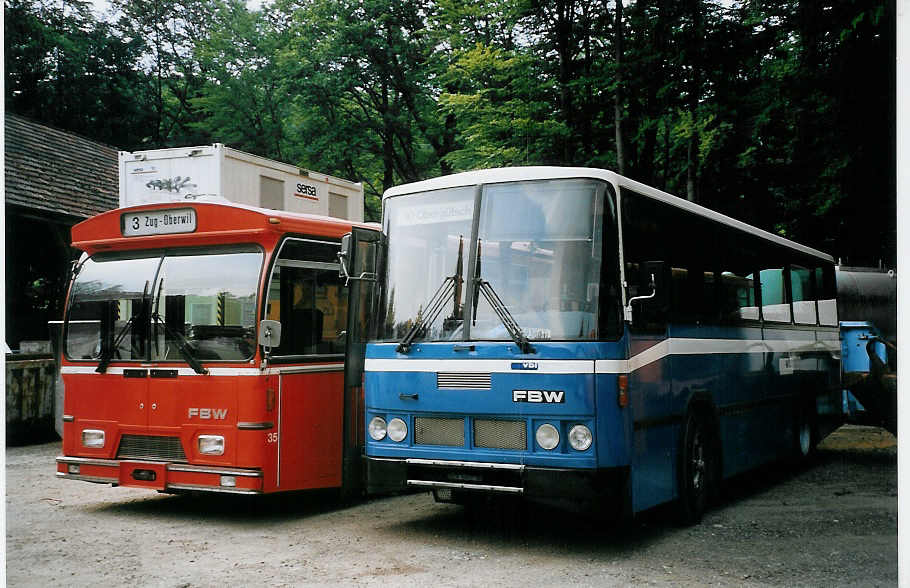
(438, 431)
(462, 381)
(151, 447)
(500, 434)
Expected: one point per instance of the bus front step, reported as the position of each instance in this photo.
(463, 486)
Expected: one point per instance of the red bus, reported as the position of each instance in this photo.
(204, 348)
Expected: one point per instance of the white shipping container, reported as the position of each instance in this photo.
(215, 172)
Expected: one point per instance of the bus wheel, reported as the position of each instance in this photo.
(803, 435)
(696, 470)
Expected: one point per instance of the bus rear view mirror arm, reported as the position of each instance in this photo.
(344, 260)
(627, 311)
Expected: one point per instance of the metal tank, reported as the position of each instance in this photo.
(868, 294)
(867, 310)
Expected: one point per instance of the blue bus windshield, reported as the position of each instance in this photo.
(539, 246)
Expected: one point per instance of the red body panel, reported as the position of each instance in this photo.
(310, 435)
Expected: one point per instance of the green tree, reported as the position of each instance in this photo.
(169, 30)
(242, 102)
(358, 71)
(508, 117)
(777, 112)
(68, 70)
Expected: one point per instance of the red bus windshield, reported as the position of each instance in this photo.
(143, 306)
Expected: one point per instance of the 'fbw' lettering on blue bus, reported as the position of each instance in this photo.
(541, 396)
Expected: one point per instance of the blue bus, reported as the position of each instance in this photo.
(573, 337)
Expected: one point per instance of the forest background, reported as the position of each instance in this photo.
(777, 112)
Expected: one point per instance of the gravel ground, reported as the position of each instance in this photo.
(832, 522)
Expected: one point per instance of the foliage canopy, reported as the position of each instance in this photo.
(781, 113)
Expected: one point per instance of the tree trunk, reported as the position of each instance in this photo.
(692, 162)
(655, 107)
(388, 139)
(618, 95)
(564, 49)
(586, 118)
(665, 181)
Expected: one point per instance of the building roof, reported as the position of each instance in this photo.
(50, 170)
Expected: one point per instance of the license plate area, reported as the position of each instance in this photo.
(143, 474)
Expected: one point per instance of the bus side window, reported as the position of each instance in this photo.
(708, 299)
(693, 296)
(827, 303)
(683, 296)
(309, 299)
(803, 295)
(775, 306)
(738, 297)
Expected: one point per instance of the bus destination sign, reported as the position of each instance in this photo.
(158, 222)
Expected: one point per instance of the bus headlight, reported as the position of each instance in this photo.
(547, 436)
(377, 428)
(580, 437)
(211, 444)
(398, 430)
(93, 438)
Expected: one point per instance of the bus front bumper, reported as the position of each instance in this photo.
(565, 486)
(159, 475)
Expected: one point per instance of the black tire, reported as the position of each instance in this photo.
(696, 470)
(802, 438)
(805, 437)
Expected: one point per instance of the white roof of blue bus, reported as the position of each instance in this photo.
(514, 174)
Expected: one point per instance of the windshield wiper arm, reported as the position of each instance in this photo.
(426, 317)
(108, 354)
(182, 345)
(155, 308)
(505, 317)
(451, 286)
(484, 287)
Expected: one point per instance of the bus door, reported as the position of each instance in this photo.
(309, 299)
(360, 267)
(655, 439)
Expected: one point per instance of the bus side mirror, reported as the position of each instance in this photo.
(344, 258)
(269, 334)
(654, 282)
(627, 311)
(366, 259)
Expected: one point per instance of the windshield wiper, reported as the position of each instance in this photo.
(108, 353)
(155, 308)
(451, 286)
(182, 345)
(505, 317)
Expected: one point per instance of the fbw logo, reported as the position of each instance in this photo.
(207, 413)
(539, 396)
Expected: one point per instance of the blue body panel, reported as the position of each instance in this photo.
(580, 405)
(500, 350)
(855, 336)
(661, 392)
